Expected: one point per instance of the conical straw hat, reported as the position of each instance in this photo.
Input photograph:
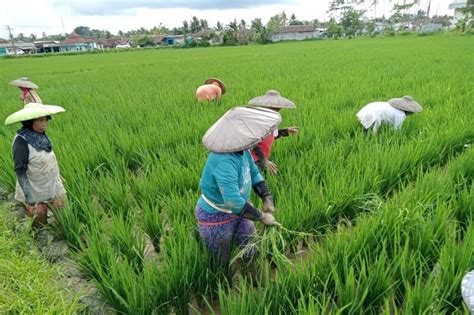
(221, 84)
(272, 99)
(406, 103)
(33, 111)
(24, 83)
(241, 128)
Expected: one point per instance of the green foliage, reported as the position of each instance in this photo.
(144, 40)
(28, 284)
(351, 22)
(386, 210)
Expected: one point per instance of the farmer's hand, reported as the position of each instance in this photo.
(268, 206)
(272, 167)
(269, 219)
(293, 131)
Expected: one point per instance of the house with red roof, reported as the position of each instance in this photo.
(76, 42)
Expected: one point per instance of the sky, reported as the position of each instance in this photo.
(62, 16)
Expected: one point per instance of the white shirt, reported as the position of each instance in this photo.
(374, 114)
(467, 290)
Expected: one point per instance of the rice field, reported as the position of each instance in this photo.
(383, 223)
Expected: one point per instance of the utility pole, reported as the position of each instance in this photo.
(375, 10)
(9, 29)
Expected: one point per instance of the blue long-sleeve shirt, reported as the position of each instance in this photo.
(227, 180)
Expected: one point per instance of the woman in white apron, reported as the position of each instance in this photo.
(39, 185)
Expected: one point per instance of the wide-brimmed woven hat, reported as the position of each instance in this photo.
(406, 103)
(33, 111)
(221, 84)
(240, 128)
(24, 83)
(272, 99)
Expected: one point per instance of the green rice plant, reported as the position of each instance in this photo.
(114, 196)
(272, 246)
(97, 258)
(128, 242)
(126, 291)
(28, 284)
(185, 266)
(373, 245)
(69, 227)
(455, 260)
(152, 223)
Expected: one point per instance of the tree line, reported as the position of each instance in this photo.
(345, 19)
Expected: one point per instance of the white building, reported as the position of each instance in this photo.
(456, 5)
(298, 32)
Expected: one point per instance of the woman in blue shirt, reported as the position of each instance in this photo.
(224, 211)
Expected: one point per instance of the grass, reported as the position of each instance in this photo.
(28, 284)
(386, 210)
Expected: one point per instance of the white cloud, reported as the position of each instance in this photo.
(117, 7)
(38, 16)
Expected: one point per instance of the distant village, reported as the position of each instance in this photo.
(196, 33)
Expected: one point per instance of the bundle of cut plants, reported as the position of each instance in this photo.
(272, 245)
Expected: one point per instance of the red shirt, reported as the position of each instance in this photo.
(265, 146)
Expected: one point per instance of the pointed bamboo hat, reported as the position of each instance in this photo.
(406, 103)
(272, 99)
(241, 128)
(24, 82)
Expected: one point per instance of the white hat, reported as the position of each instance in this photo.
(406, 103)
(272, 99)
(33, 111)
(240, 128)
(24, 82)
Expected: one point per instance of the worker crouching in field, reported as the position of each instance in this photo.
(261, 152)
(392, 112)
(39, 185)
(224, 211)
(28, 89)
(467, 290)
(212, 90)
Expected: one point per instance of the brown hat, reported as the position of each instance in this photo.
(221, 84)
(24, 82)
(406, 103)
(272, 99)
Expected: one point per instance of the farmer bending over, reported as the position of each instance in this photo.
(224, 211)
(261, 152)
(28, 89)
(212, 90)
(392, 112)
